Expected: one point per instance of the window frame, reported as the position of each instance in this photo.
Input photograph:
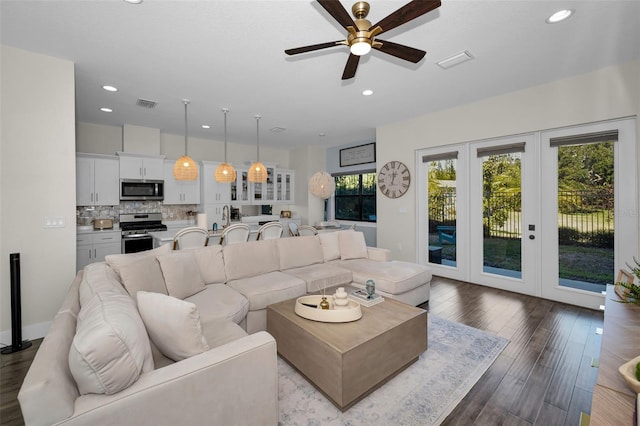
(359, 196)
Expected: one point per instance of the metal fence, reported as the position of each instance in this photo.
(589, 212)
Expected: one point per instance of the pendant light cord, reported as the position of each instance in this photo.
(258, 135)
(186, 128)
(225, 110)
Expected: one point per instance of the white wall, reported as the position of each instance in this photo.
(609, 93)
(307, 161)
(37, 179)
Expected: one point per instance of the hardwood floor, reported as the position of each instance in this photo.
(543, 377)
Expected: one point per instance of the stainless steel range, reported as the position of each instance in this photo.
(135, 230)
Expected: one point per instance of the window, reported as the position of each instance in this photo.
(355, 197)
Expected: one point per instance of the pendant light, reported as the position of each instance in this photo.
(322, 185)
(225, 172)
(185, 168)
(257, 171)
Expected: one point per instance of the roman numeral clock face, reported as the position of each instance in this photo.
(394, 179)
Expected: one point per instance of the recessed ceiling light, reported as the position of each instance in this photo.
(133, 1)
(277, 129)
(110, 88)
(322, 134)
(560, 15)
(106, 110)
(367, 92)
(206, 126)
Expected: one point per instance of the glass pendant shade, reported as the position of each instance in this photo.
(322, 185)
(257, 172)
(185, 168)
(225, 172)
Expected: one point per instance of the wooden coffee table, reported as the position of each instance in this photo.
(347, 361)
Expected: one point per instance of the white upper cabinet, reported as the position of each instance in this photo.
(179, 192)
(240, 190)
(212, 191)
(264, 193)
(284, 186)
(97, 180)
(140, 167)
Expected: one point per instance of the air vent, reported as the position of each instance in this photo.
(145, 103)
(454, 60)
(277, 129)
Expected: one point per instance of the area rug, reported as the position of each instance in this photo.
(423, 394)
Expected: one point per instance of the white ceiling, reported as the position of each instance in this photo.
(231, 54)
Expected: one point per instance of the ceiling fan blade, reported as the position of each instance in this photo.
(406, 13)
(313, 47)
(351, 67)
(338, 12)
(401, 51)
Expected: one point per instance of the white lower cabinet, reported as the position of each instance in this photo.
(93, 247)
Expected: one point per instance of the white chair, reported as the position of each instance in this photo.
(307, 230)
(237, 233)
(191, 237)
(293, 229)
(270, 230)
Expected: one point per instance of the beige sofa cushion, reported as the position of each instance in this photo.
(181, 274)
(143, 275)
(250, 259)
(211, 264)
(219, 301)
(330, 244)
(116, 261)
(110, 348)
(393, 277)
(221, 332)
(299, 251)
(352, 245)
(323, 276)
(173, 324)
(269, 288)
(97, 278)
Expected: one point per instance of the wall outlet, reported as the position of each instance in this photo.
(54, 222)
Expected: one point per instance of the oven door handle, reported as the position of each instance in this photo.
(128, 237)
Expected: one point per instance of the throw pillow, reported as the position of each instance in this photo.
(181, 274)
(330, 245)
(210, 263)
(352, 245)
(173, 324)
(111, 347)
(117, 261)
(143, 274)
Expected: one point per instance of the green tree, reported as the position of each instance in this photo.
(501, 177)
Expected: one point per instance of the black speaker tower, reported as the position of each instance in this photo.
(16, 310)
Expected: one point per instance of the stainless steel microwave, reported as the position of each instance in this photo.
(137, 189)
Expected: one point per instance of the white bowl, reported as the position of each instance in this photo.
(352, 312)
(628, 371)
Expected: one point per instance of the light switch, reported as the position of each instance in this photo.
(54, 222)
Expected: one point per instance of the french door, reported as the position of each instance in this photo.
(551, 214)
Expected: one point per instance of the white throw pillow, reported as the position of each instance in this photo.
(181, 274)
(116, 261)
(330, 245)
(111, 347)
(144, 274)
(173, 324)
(210, 263)
(352, 245)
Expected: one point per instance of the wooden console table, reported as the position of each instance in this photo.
(613, 400)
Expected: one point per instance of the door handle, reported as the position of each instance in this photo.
(532, 237)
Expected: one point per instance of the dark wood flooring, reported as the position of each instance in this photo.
(543, 377)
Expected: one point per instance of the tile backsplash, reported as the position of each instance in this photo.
(169, 212)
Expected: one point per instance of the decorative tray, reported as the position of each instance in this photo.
(309, 307)
(628, 371)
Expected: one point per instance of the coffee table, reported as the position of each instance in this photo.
(347, 361)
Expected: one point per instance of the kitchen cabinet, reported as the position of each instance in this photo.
(179, 191)
(264, 193)
(141, 167)
(211, 191)
(94, 246)
(97, 180)
(240, 189)
(284, 186)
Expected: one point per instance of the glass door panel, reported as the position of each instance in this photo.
(442, 188)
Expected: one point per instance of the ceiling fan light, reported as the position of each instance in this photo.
(225, 173)
(360, 48)
(185, 168)
(257, 173)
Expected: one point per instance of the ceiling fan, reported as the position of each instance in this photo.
(361, 34)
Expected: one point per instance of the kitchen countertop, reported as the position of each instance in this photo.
(90, 230)
(169, 234)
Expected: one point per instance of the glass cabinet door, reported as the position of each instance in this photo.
(240, 188)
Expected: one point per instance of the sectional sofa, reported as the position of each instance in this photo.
(164, 337)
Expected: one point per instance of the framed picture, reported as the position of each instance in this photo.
(626, 277)
(361, 154)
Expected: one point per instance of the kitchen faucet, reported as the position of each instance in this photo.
(225, 215)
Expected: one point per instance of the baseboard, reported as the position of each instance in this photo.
(29, 332)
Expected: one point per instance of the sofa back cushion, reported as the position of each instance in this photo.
(297, 252)
(143, 275)
(330, 245)
(97, 278)
(181, 274)
(211, 264)
(116, 261)
(352, 245)
(111, 347)
(244, 260)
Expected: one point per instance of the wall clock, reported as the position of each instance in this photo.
(394, 179)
